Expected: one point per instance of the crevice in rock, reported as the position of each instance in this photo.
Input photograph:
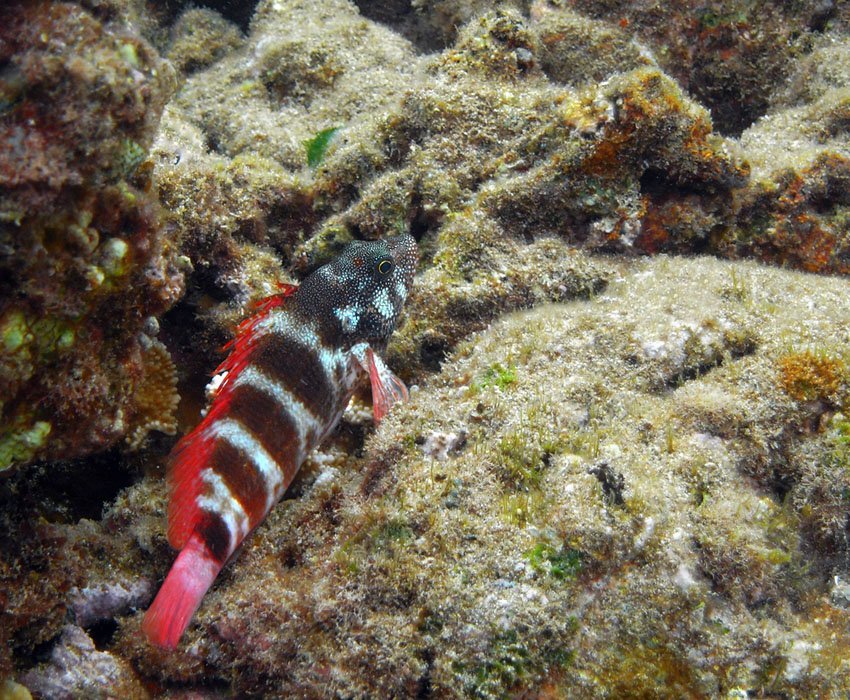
(239, 12)
(67, 492)
(401, 17)
(102, 633)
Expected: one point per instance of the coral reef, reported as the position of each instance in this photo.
(84, 260)
(628, 511)
(231, 147)
(730, 55)
(596, 167)
(622, 470)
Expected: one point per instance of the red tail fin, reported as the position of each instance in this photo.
(191, 575)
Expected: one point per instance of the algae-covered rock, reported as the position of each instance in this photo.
(84, 261)
(639, 490)
(432, 25)
(68, 558)
(575, 49)
(77, 669)
(231, 156)
(199, 37)
(795, 211)
(621, 506)
(296, 74)
(730, 55)
(823, 69)
(489, 145)
(492, 155)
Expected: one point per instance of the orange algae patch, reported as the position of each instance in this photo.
(655, 229)
(816, 251)
(808, 376)
(605, 157)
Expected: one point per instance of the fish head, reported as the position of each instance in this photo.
(363, 291)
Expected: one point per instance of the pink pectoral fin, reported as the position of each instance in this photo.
(386, 387)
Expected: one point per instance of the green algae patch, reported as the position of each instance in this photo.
(21, 445)
(391, 533)
(14, 332)
(560, 564)
(498, 376)
(507, 665)
(521, 460)
(114, 257)
(317, 146)
(129, 158)
(129, 53)
(509, 662)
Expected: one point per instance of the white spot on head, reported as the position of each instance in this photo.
(348, 317)
(401, 291)
(383, 303)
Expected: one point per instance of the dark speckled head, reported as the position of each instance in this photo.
(359, 296)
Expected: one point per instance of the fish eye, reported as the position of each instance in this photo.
(385, 266)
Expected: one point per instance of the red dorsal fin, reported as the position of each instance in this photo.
(261, 306)
(193, 452)
(246, 335)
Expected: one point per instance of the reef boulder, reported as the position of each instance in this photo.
(84, 264)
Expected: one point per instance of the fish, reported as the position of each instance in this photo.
(292, 369)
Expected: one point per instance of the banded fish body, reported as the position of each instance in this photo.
(291, 371)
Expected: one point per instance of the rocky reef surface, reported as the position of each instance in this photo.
(625, 465)
(85, 266)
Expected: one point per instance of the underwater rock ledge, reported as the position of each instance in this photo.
(86, 266)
